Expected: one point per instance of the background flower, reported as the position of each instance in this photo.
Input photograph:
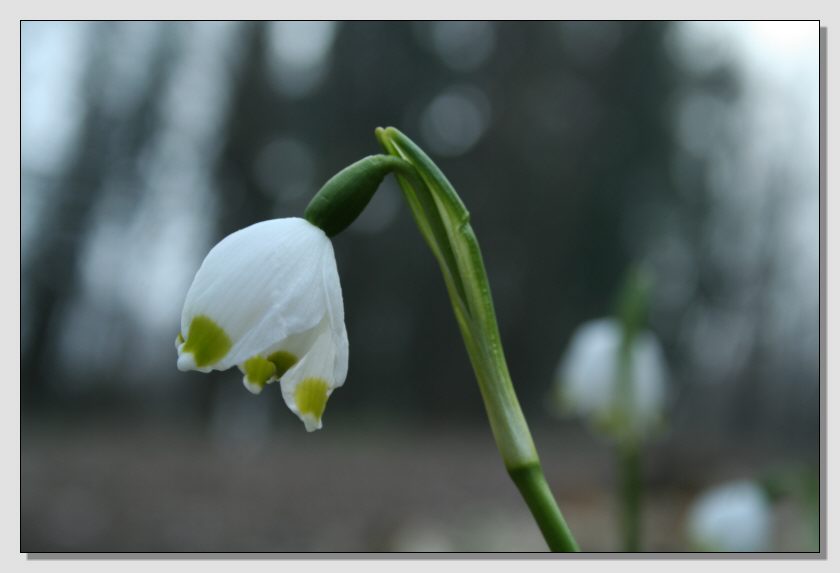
(734, 516)
(588, 380)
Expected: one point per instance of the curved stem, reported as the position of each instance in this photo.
(443, 221)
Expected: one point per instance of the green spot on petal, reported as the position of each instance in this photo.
(179, 340)
(207, 341)
(258, 370)
(311, 397)
(282, 361)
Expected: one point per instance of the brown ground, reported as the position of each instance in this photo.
(101, 487)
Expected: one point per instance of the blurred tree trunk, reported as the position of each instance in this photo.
(250, 124)
(104, 142)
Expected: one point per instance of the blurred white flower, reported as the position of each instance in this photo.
(735, 516)
(589, 380)
(267, 299)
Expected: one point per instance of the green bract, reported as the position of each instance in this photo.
(343, 198)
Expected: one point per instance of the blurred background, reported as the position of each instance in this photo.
(580, 149)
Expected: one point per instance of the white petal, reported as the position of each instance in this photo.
(335, 314)
(590, 366)
(251, 386)
(271, 288)
(294, 347)
(308, 384)
(186, 362)
(261, 285)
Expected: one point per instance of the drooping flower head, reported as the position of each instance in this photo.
(267, 299)
(590, 380)
(734, 516)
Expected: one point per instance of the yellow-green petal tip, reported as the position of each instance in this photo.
(207, 341)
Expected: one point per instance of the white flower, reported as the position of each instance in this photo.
(267, 299)
(589, 380)
(735, 516)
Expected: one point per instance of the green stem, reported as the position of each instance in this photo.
(533, 487)
(444, 223)
(630, 494)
